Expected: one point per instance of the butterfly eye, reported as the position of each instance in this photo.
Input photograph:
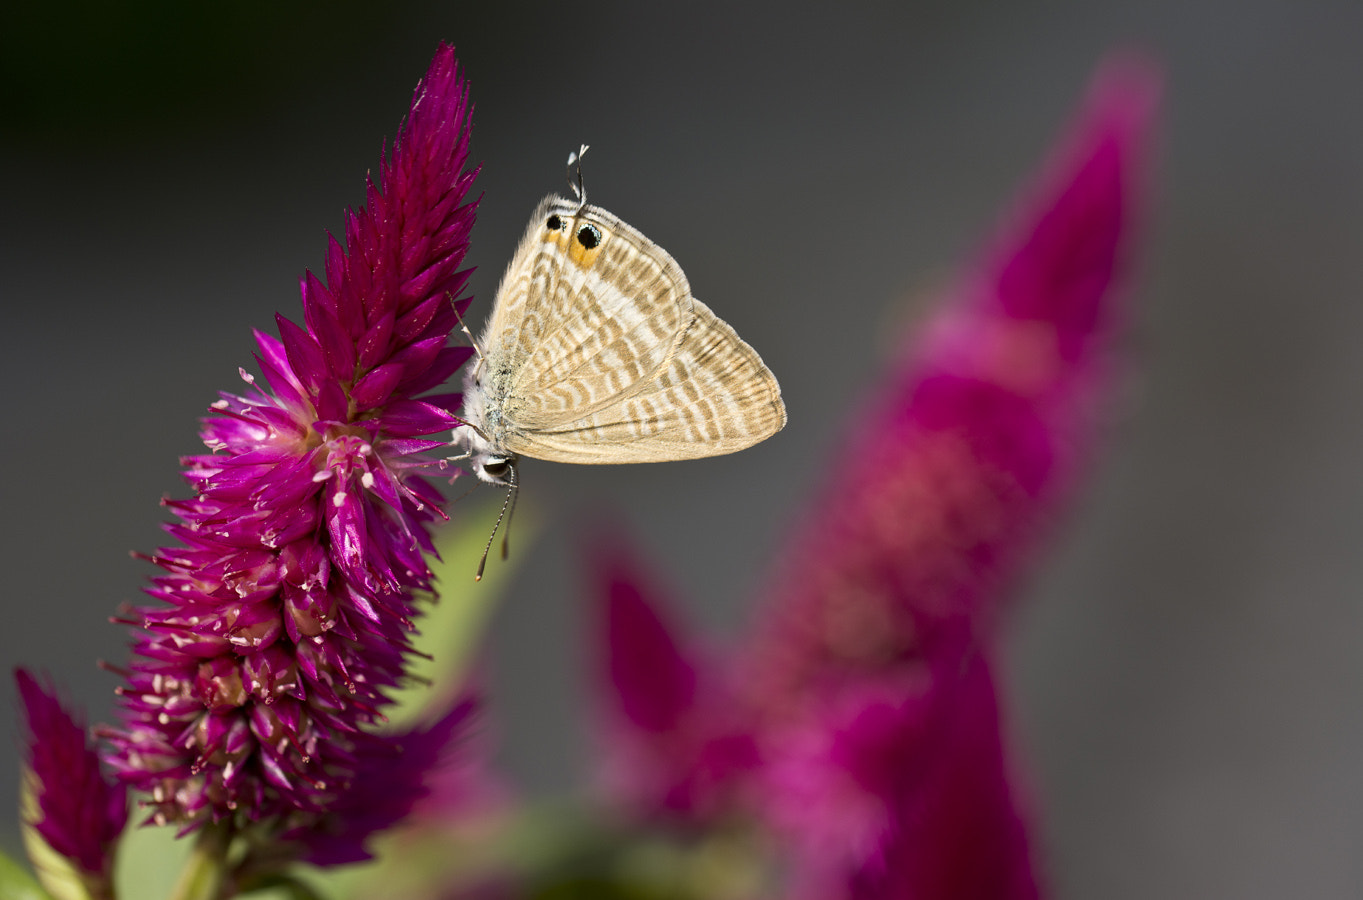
(554, 223)
(589, 236)
(496, 468)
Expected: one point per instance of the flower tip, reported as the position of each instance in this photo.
(29, 692)
(1062, 248)
(651, 677)
(1130, 81)
(1121, 107)
(444, 55)
(442, 76)
(42, 709)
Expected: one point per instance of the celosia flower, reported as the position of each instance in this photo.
(869, 682)
(75, 810)
(887, 615)
(286, 607)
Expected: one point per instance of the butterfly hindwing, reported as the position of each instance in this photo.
(713, 396)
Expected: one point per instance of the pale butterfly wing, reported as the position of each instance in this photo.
(575, 327)
(714, 396)
(596, 352)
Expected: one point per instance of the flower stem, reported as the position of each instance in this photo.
(204, 874)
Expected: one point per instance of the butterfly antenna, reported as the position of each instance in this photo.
(510, 496)
(515, 492)
(575, 166)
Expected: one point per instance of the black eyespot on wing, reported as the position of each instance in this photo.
(589, 236)
(554, 223)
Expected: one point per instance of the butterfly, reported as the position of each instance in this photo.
(596, 352)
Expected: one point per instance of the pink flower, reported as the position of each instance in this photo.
(286, 606)
(880, 632)
(868, 685)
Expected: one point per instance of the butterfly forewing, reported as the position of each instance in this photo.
(714, 396)
(588, 312)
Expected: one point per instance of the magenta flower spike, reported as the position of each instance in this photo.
(872, 670)
(285, 609)
(76, 809)
(867, 692)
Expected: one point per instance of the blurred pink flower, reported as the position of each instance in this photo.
(80, 813)
(867, 686)
(673, 740)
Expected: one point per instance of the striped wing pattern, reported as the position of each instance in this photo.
(714, 396)
(580, 335)
(597, 352)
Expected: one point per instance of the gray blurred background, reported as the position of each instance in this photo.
(1186, 668)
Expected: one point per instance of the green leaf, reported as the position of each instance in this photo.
(16, 883)
(452, 627)
(149, 862)
(283, 887)
(204, 873)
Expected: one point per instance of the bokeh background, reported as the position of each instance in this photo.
(1186, 677)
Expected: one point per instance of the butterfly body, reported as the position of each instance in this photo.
(596, 352)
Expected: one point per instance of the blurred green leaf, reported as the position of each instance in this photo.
(452, 628)
(16, 883)
(284, 887)
(149, 861)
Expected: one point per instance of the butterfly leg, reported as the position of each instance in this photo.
(468, 334)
